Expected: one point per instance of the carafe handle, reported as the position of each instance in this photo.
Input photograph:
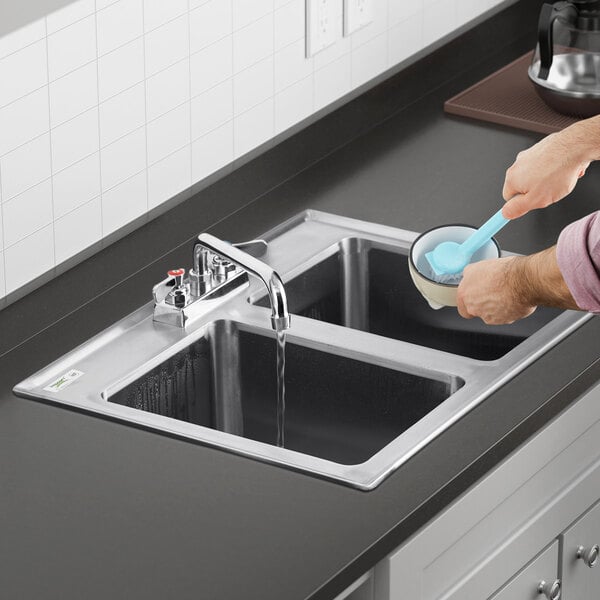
(549, 14)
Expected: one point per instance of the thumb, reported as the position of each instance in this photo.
(517, 206)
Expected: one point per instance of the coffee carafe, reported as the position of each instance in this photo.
(566, 64)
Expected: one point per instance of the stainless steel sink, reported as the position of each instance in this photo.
(337, 408)
(366, 285)
(372, 373)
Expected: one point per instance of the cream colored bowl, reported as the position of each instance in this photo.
(442, 294)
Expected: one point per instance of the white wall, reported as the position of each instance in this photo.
(109, 108)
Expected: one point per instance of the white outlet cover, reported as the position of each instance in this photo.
(320, 25)
(357, 14)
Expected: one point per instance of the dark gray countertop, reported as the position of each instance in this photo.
(95, 509)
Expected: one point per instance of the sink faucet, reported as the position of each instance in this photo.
(216, 271)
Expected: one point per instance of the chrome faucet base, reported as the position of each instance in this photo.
(219, 269)
(197, 306)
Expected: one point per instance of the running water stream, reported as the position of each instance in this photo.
(280, 389)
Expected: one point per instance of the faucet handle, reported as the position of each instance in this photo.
(177, 274)
(173, 281)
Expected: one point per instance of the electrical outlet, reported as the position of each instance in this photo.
(357, 14)
(320, 25)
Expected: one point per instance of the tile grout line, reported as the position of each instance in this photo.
(273, 129)
(234, 117)
(3, 237)
(189, 21)
(145, 126)
(50, 144)
(99, 125)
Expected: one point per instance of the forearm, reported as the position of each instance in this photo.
(581, 141)
(536, 280)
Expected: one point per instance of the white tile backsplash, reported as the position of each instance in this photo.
(369, 60)
(404, 38)
(167, 89)
(212, 109)
(122, 114)
(76, 185)
(212, 151)
(27, 165)
(77, 230)
(169, 176)
(378, 25)
(168, 133)
(252, 43)
(110, 107)
(247, 11)
(253, 127)
(120, 69)
(167, 45)
(124, 203)
(333, 81)
(253, 86)
(70, 14)
(2, 277)
(291, 65)
(73, 94)
(210, 22)
(289, 24)
(74, 140)
(23, 120)
(23, 72)
(293, 104)
(25, 214)
(114, 167)
(159, 12)
(400, 10)
(211, 66)
(118, 24)
(71, 47)
(29, 258)
(439, 19)
(19, 39)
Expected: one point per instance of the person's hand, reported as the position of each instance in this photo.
(487, 291)
(545, 173)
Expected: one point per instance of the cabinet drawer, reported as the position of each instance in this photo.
(579, 580)
(524, 586)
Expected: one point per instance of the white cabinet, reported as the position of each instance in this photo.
(541, 572)
(580, 563)
(496, 528)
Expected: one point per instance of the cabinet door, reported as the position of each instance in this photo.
(524, 586)
(579, 580)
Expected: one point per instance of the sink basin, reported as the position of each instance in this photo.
(337, 408)
(366, 285)
(372, 373)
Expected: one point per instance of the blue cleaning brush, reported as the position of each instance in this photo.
(449, 258)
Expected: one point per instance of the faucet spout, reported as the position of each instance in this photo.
(280, 317)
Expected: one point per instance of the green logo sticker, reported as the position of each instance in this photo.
(65, 380)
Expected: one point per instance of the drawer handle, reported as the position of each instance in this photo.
(550, 590)
(589, 555)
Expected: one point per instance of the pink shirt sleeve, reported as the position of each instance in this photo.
(578, 255)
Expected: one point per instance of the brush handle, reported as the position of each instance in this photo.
(490, 228)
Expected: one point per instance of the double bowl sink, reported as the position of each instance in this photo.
(372, 373)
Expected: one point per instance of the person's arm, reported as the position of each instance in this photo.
(504, 290)
(549, 170)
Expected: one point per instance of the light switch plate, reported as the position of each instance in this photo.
(357, 14)
(320, 25)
